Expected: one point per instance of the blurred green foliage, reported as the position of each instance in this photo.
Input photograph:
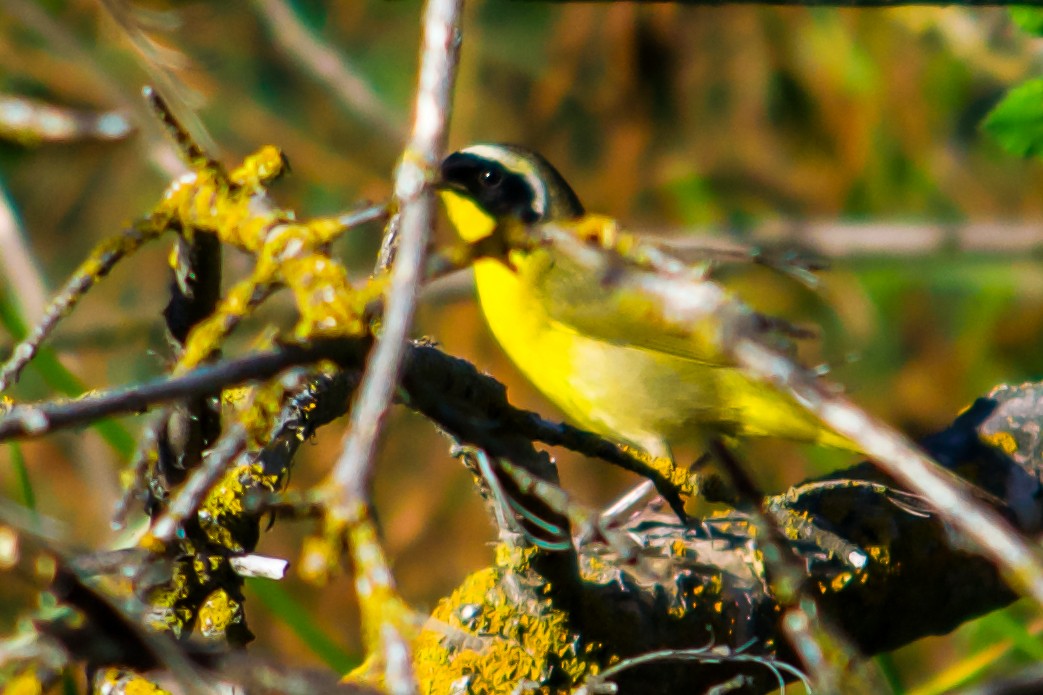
(1017, 121)
(664, 116)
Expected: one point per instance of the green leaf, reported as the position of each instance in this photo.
(1004, 624)
(890, 671)
(1028, 19)
(21, 473)
(1017, 121)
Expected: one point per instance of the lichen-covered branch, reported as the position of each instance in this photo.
(667, 295)
(881, 566)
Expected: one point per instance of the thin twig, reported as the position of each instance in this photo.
(662, 475)
(18, 265)
(833, 662)
(160, 62)
(161, 154)
(99, 264)
(327, 65)
(38, 419)
(32, 121)
(202, 480)
(263, 566)
(352, 472)
(841, 239)
(349, 481)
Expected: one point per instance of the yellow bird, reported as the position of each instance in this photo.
(632, 384)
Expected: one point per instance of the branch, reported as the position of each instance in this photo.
(19, 267)
(693, 609)
(350, 477)
(39, 419)
(675, 301)
(834, 239)
(347, 488)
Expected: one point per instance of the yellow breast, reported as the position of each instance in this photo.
(645, 397)
(602, 380)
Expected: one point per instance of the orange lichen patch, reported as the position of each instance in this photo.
(679, 477)
(678, 548)
(880, 554)
(841, 580)
(257, 408)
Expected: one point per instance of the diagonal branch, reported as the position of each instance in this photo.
(439, 53)
(704, 311)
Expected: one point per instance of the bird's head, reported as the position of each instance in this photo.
(485, 185)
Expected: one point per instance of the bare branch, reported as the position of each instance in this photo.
(438, 59)
(952, 498)
(838, 239)
(38, 419)
(90, 272)
(348, 484)
(34, 16)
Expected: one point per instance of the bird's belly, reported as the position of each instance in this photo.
(628, 393)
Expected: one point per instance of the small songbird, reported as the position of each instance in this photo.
(638, 385)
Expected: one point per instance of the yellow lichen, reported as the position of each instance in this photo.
(678, 548)
(258, 410)
(880, 554)
(165, 613)
(841, 580)
(224, 507)
(1004, 441)
(217, 613)
(25, 683)
(318, 560)
(114, 680)
(480, 636)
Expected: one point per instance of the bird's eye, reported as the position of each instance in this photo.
(490, 178)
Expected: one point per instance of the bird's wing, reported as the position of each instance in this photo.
(788, 260)
(609, 309)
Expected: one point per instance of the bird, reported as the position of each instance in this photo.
(636, 385)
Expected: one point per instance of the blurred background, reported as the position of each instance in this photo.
(676, 120)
